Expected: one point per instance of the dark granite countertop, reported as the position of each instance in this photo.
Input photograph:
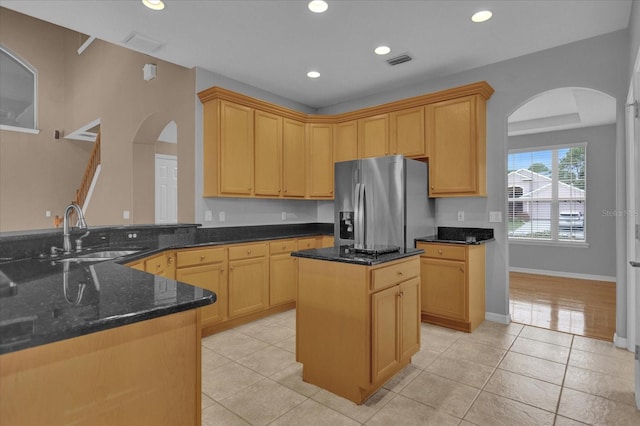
(454, 235)
(345, 255)
(44, 299)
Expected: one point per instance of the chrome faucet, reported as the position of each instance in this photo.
(81, 224)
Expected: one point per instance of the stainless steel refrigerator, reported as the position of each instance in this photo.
(381, 204)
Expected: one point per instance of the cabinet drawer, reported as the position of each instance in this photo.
(283, 246)
(247, 251)
(444, 251)
(394, 274)
(200, 257)
(307, 243)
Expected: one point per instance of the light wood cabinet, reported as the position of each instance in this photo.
(236, 149)
(206, 268)
(283, 273)
(407, 132)
(396, 326)
(241, 143)
(268, 154)
(456, 140)
(162, 264)
(319, 160)
(294, 169)
(373, 329)
(307, 243)
(248, 279)
(453, 285)
(345, 147)
(373, 136)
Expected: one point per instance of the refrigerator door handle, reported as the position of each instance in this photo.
(360, 235)
(356, 217)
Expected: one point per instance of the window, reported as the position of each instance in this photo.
(18, 82)
(546, 192)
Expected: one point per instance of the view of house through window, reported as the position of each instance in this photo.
(547, 193)
(17, 92)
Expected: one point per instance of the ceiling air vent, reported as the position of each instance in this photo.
(399, 59)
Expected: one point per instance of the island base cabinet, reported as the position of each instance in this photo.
(356, 329)
(146, 373)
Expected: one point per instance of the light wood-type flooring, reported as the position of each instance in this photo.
(582, 307)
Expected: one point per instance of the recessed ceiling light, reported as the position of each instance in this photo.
(318, 6)
(483, 15)
(313, 74)
(154, 4)
(382, 50)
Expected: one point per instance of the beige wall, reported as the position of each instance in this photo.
(105, 82)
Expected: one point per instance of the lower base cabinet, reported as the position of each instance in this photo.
(248, 279)
(206, 268)
(356, 326)
(453, 285)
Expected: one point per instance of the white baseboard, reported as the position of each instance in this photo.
(563, 274)
(502, 319)
(619, 342)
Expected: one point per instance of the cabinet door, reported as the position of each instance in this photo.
(409, 318)
(345, 147)
(456, 148)
(248, 286)
(268, 153)
(373, 136)
(385, 330)
(294, 169)
(320, 160)
(283, 277)
(444, 291)
(211, 277)
(407, 133)
(236, 149)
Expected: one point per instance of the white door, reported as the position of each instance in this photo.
(166, 189)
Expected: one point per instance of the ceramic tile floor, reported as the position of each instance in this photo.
(497, 375)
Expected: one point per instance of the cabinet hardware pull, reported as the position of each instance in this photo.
(248, 251)
(400, 273)
(461, 270)
(202, 257)
(439, 251)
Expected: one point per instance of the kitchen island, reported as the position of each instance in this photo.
(96, 342)
(357, 318)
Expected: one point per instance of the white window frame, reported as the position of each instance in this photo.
(555, 201)
(33, 71)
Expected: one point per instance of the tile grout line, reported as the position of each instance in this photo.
(564, 377)
(492, 374)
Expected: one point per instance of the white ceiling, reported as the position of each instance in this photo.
(272, 44)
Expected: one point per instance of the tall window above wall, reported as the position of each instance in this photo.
(18, 90)
(546, 191)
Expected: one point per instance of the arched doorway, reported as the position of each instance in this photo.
(560, 178)
(156, 138)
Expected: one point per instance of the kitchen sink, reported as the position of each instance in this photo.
(99, 256)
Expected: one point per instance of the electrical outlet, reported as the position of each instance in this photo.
(208, 216)
(284, 215)
(495, 216)
(47, 213)
(221, 217)
(125, 214)
(460, 216)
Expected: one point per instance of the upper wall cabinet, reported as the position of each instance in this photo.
(457, 147)
(406, 132)
(268, 154)
(254, 148)
(373, 136)
(320, 160)
(294, 158)
(345, 146)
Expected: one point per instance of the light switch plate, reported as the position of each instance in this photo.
(460, 216)
(125, 214)
(221, 216)
(495, 216)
